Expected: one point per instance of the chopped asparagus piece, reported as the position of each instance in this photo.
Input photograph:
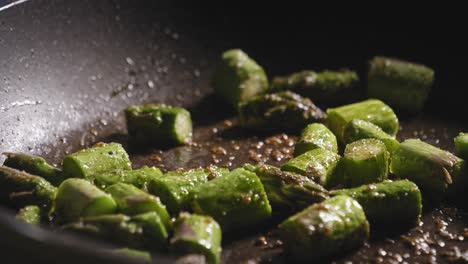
(30, 214)
(140, 231)
(324, 87)
(235, 200)
(283, 110)
(100, 158)
(372, 110)
(401, 84)
(139, 178)
(461, 145)
(140, 255)
(78, 197)
(318, 164)
(239, 78)
(359, 129)
(365, 161)
(315, 136)
(431, 168)
(174, 187)
(286, 189)
(131, 200)
(34, 165)
(22, 188)
(388, 204)
(321, 230)
(159, 125)
(197, 234)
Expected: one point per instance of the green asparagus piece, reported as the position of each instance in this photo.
(23, 188)
(389, 203)
(238, 78)
(140, 255)
(322, 230)
(323, 87)
(34, 165)
(159, 125)
(197, 234)
(401, 84)
(30, 214)
(431, 168)
(461, 145)
(372, 110)
(140, 231)
(359, 129)
(174, 187)
(365, 161)
(131, 200)
(283, 110)
(100, 158)
(286, 189)
(235, 200)
(139, 178)
(78, 197)
(315, 136)
(319, 165)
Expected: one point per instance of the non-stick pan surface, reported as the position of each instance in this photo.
(69, 67)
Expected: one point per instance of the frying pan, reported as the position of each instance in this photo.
(68, 68)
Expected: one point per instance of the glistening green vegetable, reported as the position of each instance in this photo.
(79, 198)
(102, 157)
(139, 178)
(34, 165)
(30, 214)
(359, 129)
(159, 125)
(402, 84)
(322, 230)
(372, 110)
(323, 87)
(365, 161)
(197, 234)
(279, 111)
(314, 136)
(236, 200)
(238, 78)
(389, 204)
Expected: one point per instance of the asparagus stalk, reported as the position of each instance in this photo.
(322, 230)
(142, 256)
(359, 129)
(389, 204)
(34, 165)
(401, 84)
(140, 231)
(197, 234)
(372, 110)
(22, 188)
(432, 169)
(324, 87)
(286, 189)
(314, 136)
(461, 145)
(235, 200)
(365, 161)
(238, 78)
(79, 198)
(174, 187)
(319, 165)
(283, 110)
(159, 125)
(100, 158)
(139, 178)
(131, 200)
(30, 214)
